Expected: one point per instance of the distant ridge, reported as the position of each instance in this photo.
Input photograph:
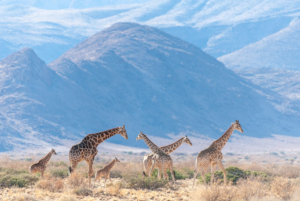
(132, 75)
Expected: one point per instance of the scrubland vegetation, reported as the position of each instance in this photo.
(259, 177)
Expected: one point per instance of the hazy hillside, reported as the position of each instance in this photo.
(219, 28)
(133, 75)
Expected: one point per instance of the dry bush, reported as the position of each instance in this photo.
(114, 189)
(140, 182)
(67, 198)
(251, 188)
(25, 197)
(51, 184)
(283, 188)
(75, 180)
(215, 193)
(83, 191)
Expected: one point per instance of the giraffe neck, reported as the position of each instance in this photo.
(46, 158)
(111, 164)
(96, 138)
(220, 143)
(151, 145)
(172, 147)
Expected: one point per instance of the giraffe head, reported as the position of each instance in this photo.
(140, 136)
(53, 151)
(237, 126)
(123, 132)
(117, 160)
(187, 140)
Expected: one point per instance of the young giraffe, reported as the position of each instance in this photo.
(105, 172)
(87, 148)
(147, 162)
(213, 155)
(41, 165)
(160, 158)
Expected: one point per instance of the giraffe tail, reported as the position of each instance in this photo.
(70, 170)
(144, 174)
(174, 175)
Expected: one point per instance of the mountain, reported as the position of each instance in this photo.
(36, 103)
(279, 50)
(284, 82)
(166, 85)
(219, 28)
(134, 75)
(63, 4)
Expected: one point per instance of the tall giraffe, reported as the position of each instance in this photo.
(87, 148)
(147, 162)
(213, 155)
(105, 172)
(160, 158)
(41, 165)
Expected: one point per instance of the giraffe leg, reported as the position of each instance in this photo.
(158, 173)
(90, 163)
(224, 172)
(147, 164)
(212, 173)
(203, 176)
(152, 167)
(196, 171)
(165, 174)
(105, 181)
(153, 170)
(172, 173)
(42, 174)
(109, 177)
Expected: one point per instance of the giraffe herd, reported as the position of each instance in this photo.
(86, 150)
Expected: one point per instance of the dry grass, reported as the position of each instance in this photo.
(283, 182)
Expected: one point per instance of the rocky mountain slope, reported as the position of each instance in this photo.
(219, 28)
(134, 75)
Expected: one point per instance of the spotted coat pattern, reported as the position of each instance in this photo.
(86, 150)
(160, 159)
(147, 162)
(213, 155)
(105, 172)
(40, 166)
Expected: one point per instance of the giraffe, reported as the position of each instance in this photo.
(213, 155)
(87, 148)
(147, 162)
(105, 172)
(41, 165)
(160, 158)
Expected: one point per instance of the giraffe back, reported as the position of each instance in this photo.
(36, 167)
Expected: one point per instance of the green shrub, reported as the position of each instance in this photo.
(60, 173)
(144, 182)
(116, 174)
(234, 174)
(10, 177)
(178, 175)
(59, 163)
(188, 172)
